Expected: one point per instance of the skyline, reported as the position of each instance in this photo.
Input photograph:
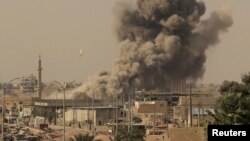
(57, 30)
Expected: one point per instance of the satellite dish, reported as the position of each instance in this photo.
(81, 52)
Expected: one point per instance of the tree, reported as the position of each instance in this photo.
(83, 137)
(233, 106)
(235, 87)
(133, 135)
(245, 78)
(232, 109)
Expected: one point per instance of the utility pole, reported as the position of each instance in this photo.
(63, 86)
(116, 115)
(56, 110)
(88, 112)
(113, 115)
(186, 111)
(3, 113)
(64, 111)
(154, 120)
(93, 116)
(131, 109)
(199, 108)
(190, 106)
(123, 112)
(129, 114)
(202, 109)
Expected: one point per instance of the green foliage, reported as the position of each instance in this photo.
(84, 137)
(235, 87)
(245, 78)
(133, 135)
(234, 105)
(232, 109)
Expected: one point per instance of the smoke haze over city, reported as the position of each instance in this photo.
(57, 31)
(160, 41)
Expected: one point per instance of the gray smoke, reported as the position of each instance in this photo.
(159, 40)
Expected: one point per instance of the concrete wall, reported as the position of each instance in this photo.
(186, 134)
(183, 113)
(151, 107)
(100, 116)
(205, 101)
(103, 116)
(82, 115)
(10, 101)
(26, 111)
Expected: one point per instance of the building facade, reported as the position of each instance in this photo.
(28, 84)
(99, 115)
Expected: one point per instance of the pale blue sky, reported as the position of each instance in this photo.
(58, 29)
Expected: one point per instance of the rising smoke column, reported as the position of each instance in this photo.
(159, 40)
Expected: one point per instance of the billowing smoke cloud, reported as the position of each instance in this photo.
(159, 40)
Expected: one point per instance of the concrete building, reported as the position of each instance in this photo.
(28, 84)
(80, 110)
(98, 115)
(17, 102)
(201, 103)
(26, 111)
(199, 116)
(151, 112)
(18, 107)
(146, 107)
(171, 97)
(32, 84)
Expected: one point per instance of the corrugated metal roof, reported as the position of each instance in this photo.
(195, 111)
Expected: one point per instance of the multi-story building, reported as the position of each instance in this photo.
(28, 84)
(98, 115)
(200, 106)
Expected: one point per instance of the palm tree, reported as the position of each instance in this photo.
(83, 137)
(133, 135)
(232, 108)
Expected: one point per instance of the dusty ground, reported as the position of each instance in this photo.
(102, 137)
(147, 138)
(162, 137)
(174, 134)
(186, 134)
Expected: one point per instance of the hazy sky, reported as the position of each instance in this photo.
(58, 29)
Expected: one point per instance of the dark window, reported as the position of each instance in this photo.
(99, 122)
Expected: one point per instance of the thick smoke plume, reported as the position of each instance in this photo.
(159, 40)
